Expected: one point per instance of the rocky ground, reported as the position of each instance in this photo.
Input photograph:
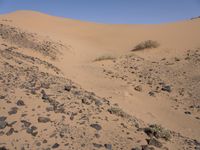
(41, 109)
(176, 78)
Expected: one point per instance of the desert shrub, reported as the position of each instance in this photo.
(118, 112)
(158, 132)
(104, 57)
(147, 44)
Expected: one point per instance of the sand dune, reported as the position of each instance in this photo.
(69, 84)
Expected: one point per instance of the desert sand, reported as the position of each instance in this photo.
(70, 84)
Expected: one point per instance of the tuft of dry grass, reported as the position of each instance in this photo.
(146, 44)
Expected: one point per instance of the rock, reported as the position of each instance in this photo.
(97, 145)
(44, 95)
(31, 131)
(145, 147)
(3, 124)
(13, 111)
(136, 148)
(10, 132)
(166, 88)
(56, 145)
(67, 88)
(2, 97)
(3, 118)
(20, 103)
(49, 109)
(86, 101)
(151, 93)
(154, 142)
(138, 88)
(96, 126)
(187, 112)
(108, 146)
(3, 148)
(26, 123)
(43, 119)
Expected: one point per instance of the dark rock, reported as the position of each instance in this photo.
(151, 93)
(3, 124)
(3, 148)
(108, 146)
(44, 141)
(20, 103)
(145, 147)
(67, 88)
(3, 118)
(2, 97)
(97, 145)
(96, 126)
(86, 101)
(188, 113)
(154, 142)
(138, 88)
(166, 88)
(26, 123)
(43, 119)
(56, 145)
(13, 111)
(10, 132)
(44, 95)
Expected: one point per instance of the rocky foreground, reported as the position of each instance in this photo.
(41, 109)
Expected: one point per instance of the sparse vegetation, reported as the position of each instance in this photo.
(118, 112)
(158, 132)
(104, 57)
(146, 44)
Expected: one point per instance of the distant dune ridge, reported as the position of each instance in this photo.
(69, 84)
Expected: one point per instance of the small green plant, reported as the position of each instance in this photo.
(104, 57)
(146, 44)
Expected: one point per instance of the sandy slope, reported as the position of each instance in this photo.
(80, 43)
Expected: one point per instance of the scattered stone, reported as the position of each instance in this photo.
(3, 118)
(13, 111)
(26, 123)
(3, 148)
(108, 146)
(67, 88)
(96, 126)
(138, 88)
(56, 145)
(44, 95)
(2, 97)
(151, 93)
(43, 119)
(20, 103)
(10, 132)
(3, 124)
(187, 112)
(86, 101)
(166, 88)
(97, 145)
(154, 142)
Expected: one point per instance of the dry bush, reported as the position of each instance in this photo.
(146, 44)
